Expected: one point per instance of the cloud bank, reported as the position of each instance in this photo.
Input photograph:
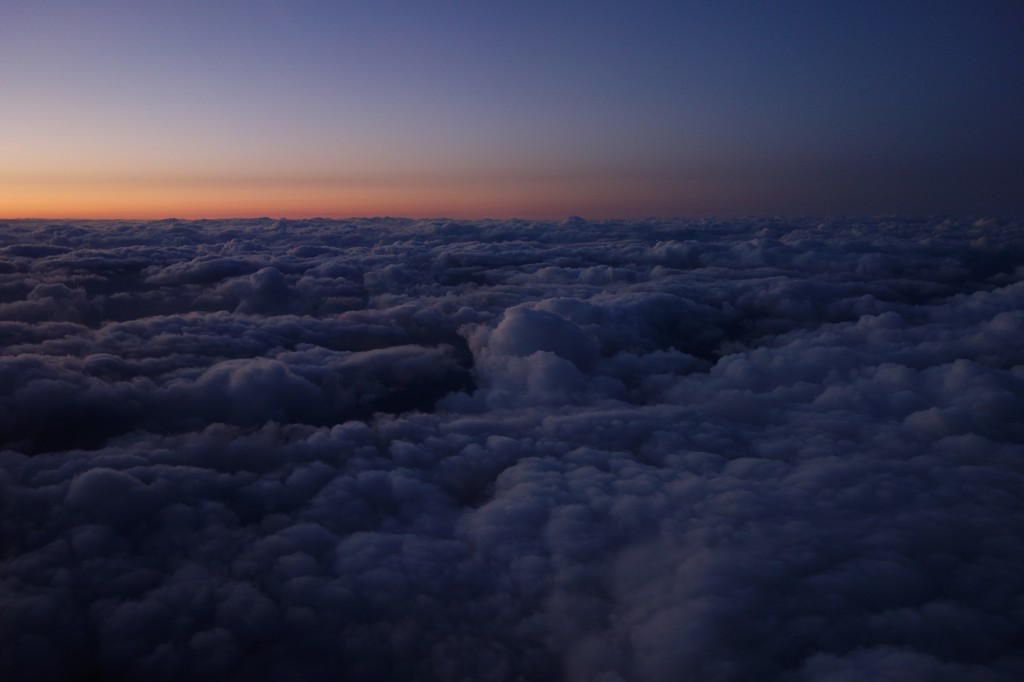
(433, 450)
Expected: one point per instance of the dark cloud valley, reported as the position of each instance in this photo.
(504, 450)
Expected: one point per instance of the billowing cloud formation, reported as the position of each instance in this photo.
(398, 450)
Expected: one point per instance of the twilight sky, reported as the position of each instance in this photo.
(530, 109)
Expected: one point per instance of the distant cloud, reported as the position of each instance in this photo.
(507, 450)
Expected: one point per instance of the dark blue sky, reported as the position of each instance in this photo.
(497, 109)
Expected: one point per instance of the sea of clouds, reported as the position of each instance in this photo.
(387, 449)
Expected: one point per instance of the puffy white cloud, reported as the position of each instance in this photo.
(391, 449)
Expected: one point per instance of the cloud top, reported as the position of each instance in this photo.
(507, 450)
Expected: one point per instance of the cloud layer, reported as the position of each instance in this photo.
(433, 450)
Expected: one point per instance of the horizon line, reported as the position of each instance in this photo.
(760, 216)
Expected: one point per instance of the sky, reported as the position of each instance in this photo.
(530, 109)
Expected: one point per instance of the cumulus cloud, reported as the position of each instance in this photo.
(506, 450)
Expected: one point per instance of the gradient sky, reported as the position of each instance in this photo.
(145, 109)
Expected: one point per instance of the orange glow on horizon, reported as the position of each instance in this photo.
(151, 201)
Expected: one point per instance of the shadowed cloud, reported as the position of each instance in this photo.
(389, 449)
